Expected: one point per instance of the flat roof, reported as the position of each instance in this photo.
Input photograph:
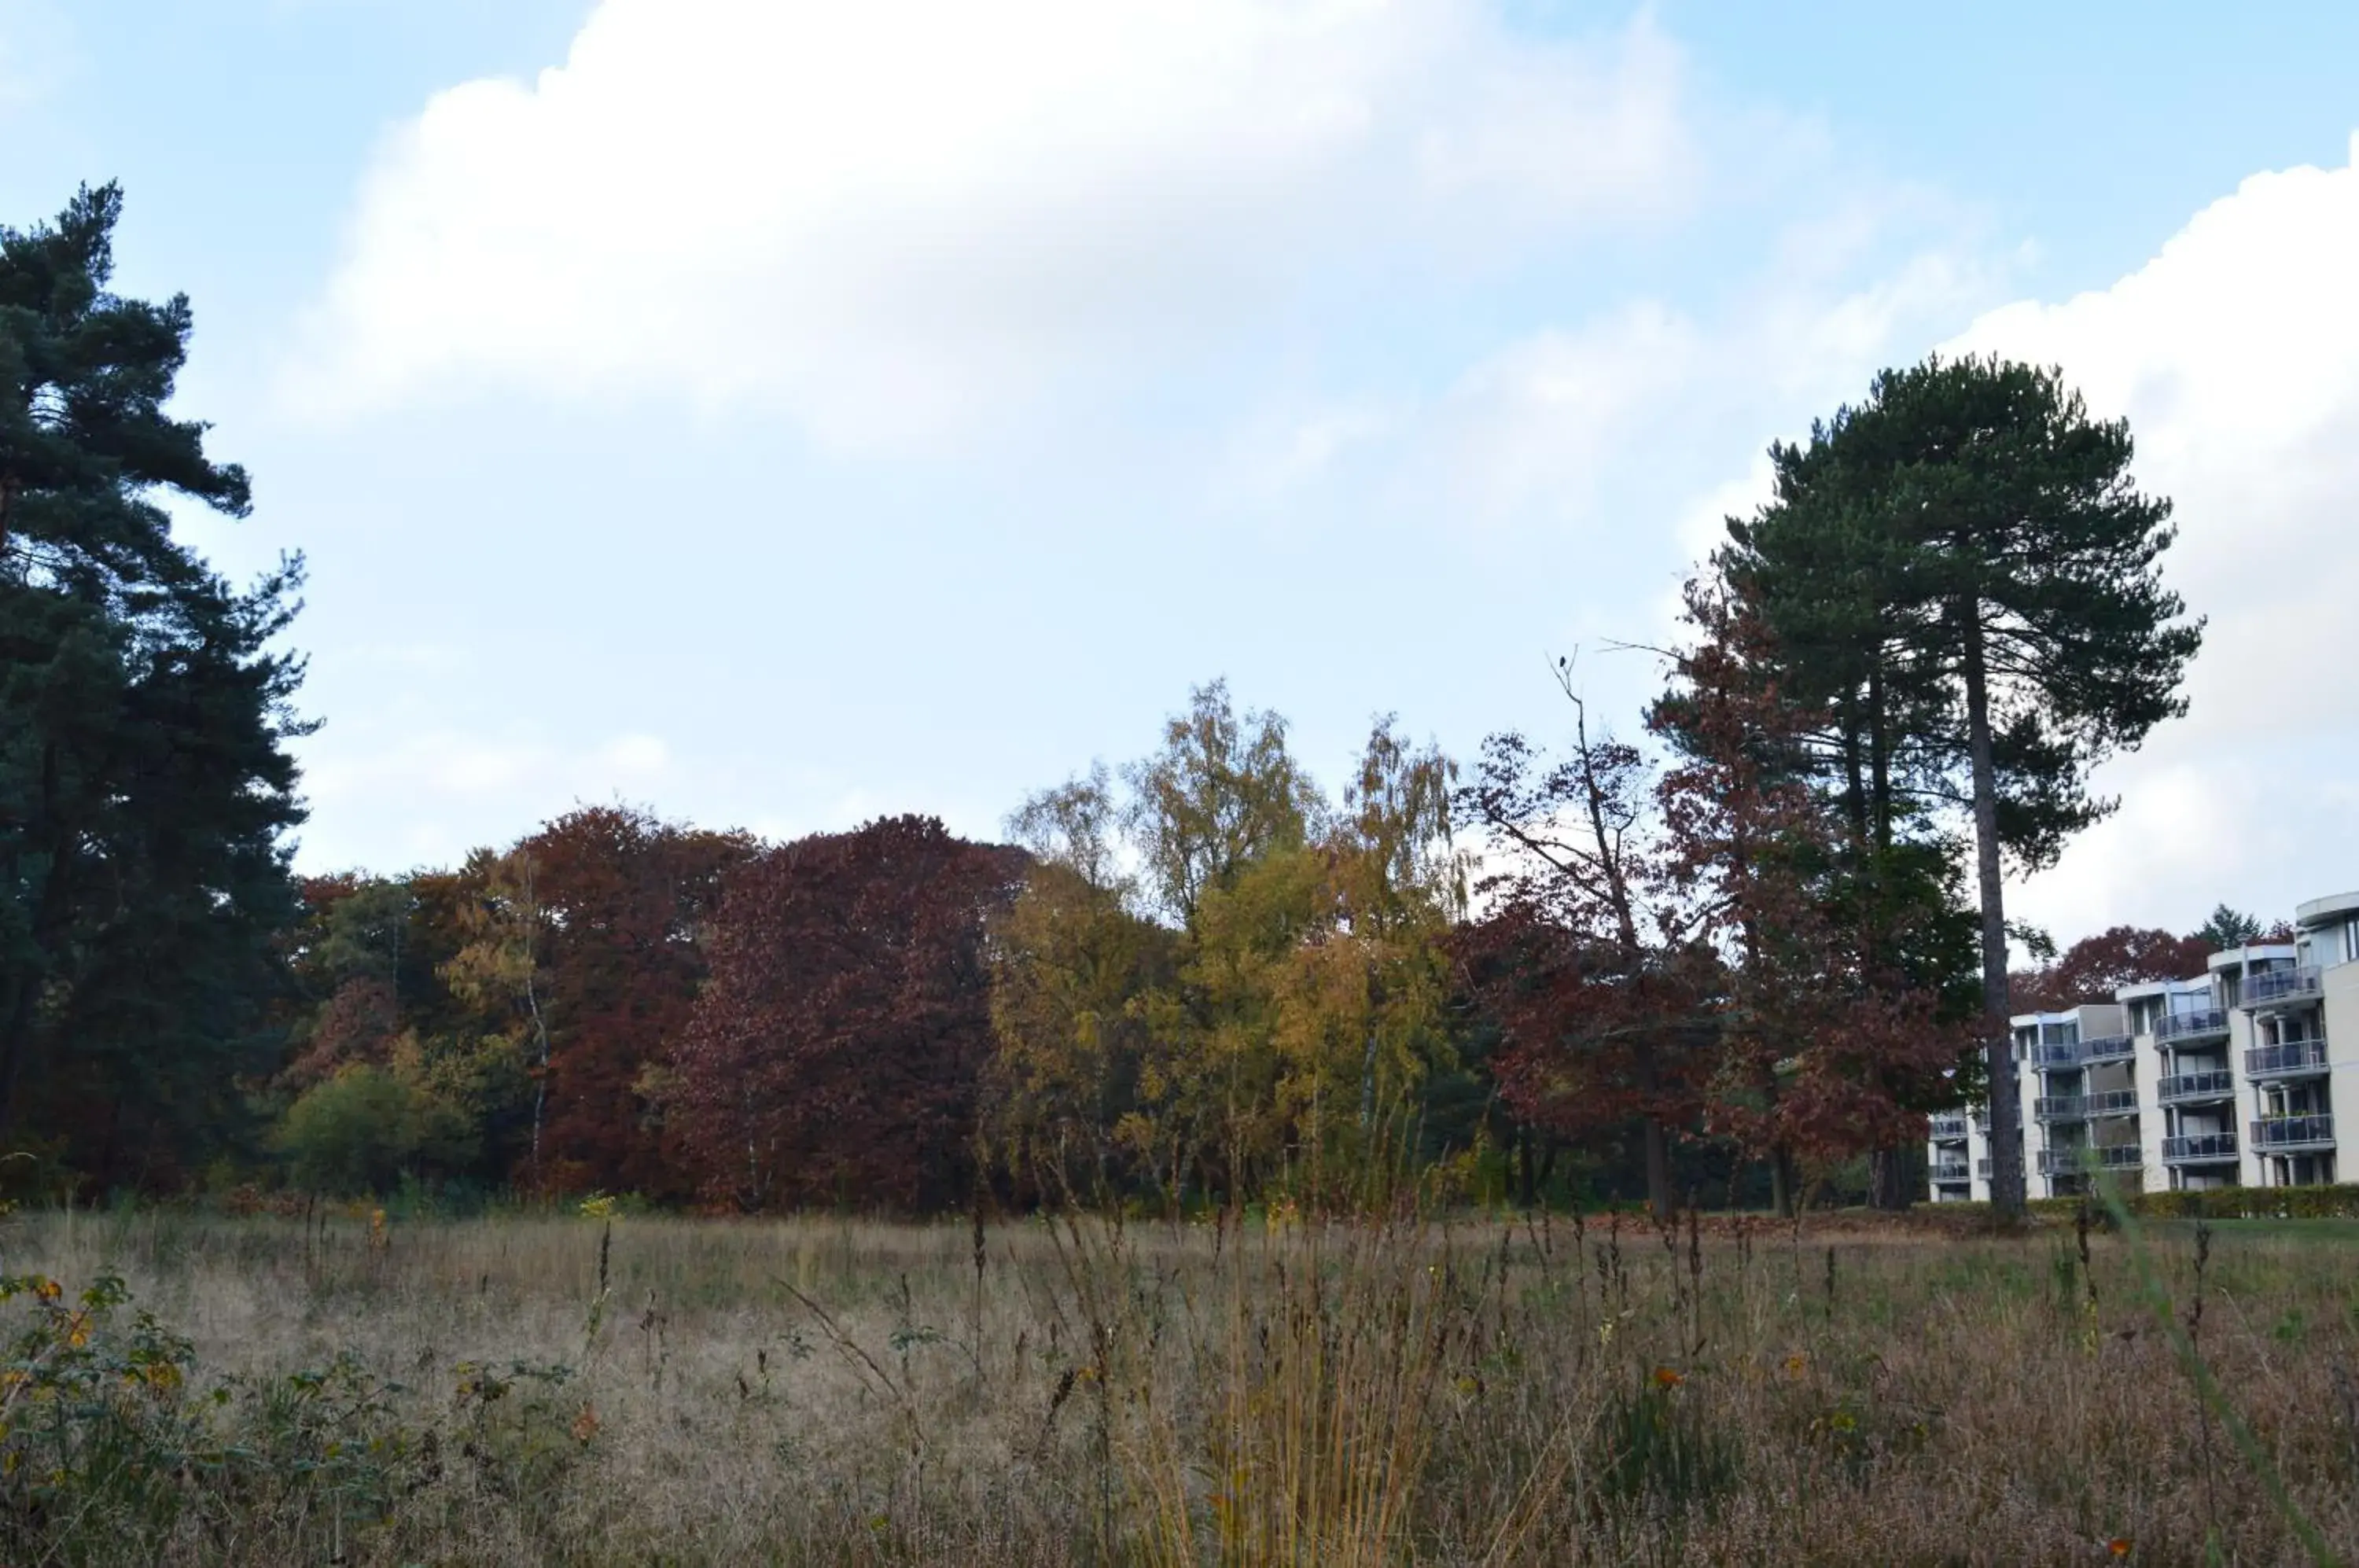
(2234, 956)
(2319, 911)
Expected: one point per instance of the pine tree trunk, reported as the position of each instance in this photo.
(1781, 1185)
(2007, 1188)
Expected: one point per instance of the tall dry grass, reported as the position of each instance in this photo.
(1449, 1391)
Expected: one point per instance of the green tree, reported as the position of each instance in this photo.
(351, 1133)
(1974, 544)
(144, 787)
(2226, 928)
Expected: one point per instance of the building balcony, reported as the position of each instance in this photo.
(2277, 989)
(2082, 1053)
(2199, 1148)
(2086, 1157)
(2107, 1048)
(2294, 1059)
(1950, 1172)
(1950, 1128)
(2188, 1087)
(2080, 1107)
(2177, 1026)
(2280, 1134)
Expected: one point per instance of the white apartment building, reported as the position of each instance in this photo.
(2228, 1078)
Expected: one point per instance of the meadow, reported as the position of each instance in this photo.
(573, 1388)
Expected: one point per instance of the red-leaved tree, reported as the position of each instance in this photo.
(836, 1051)
(1828, 1046)
(2094, 967)
(1591, 958)
(625, 898)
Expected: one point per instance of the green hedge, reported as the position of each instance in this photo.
(2229, 1204)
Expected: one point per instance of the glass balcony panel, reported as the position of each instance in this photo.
(2212, 1085)
(2102, 1157)
(2310, 1131)
(2192, 1026)
(2290, 1059)
(2277, 987)
(2108, 1047)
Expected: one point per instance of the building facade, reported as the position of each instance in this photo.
(2233, 1077)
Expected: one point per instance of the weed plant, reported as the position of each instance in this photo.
(1414, 1389)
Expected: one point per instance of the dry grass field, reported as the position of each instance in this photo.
(652, 1390)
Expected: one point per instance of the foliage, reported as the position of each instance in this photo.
(115, 1446)
(144, 786)
(1963, 566)
(2225, 927)
(2340, 1202)
(2094, 967)
(1596, 957)
(839, 1048)
(629, 900)
(1277, 1027)
(352, 1133)
(1833, 1032)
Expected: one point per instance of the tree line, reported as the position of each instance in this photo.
(1749, 936)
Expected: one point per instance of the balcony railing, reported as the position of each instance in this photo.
(2053, 1058)
(2108, 1047)
(1954, 1170)
(2190, 1025)
(2080, 1107)
(2212, 1085)
(2281, 988)
(2102, 1156)
(1949, 1128)
(2294, 1059)
(2197, 1147)
(2294, 1132)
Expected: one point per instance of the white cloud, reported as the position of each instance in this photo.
(1650, 400)
(2234, 355)
(897, 219)
(443, 784)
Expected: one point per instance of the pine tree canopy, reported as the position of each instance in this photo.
(144, 787)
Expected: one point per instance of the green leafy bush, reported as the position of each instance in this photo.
(112, 1449)
(2228, 1203)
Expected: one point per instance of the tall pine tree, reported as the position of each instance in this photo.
(144, 787)
(1968, 550)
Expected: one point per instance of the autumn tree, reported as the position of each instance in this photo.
(1220, 820)
(1829, 1044)
(625, 898)
(2094, 967)
(1596, 963)
(1364, 1017)
(837, 1050)
(1071, 957)
(1220, 984)
(499, 972)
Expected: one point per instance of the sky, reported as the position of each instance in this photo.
(780, 413)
